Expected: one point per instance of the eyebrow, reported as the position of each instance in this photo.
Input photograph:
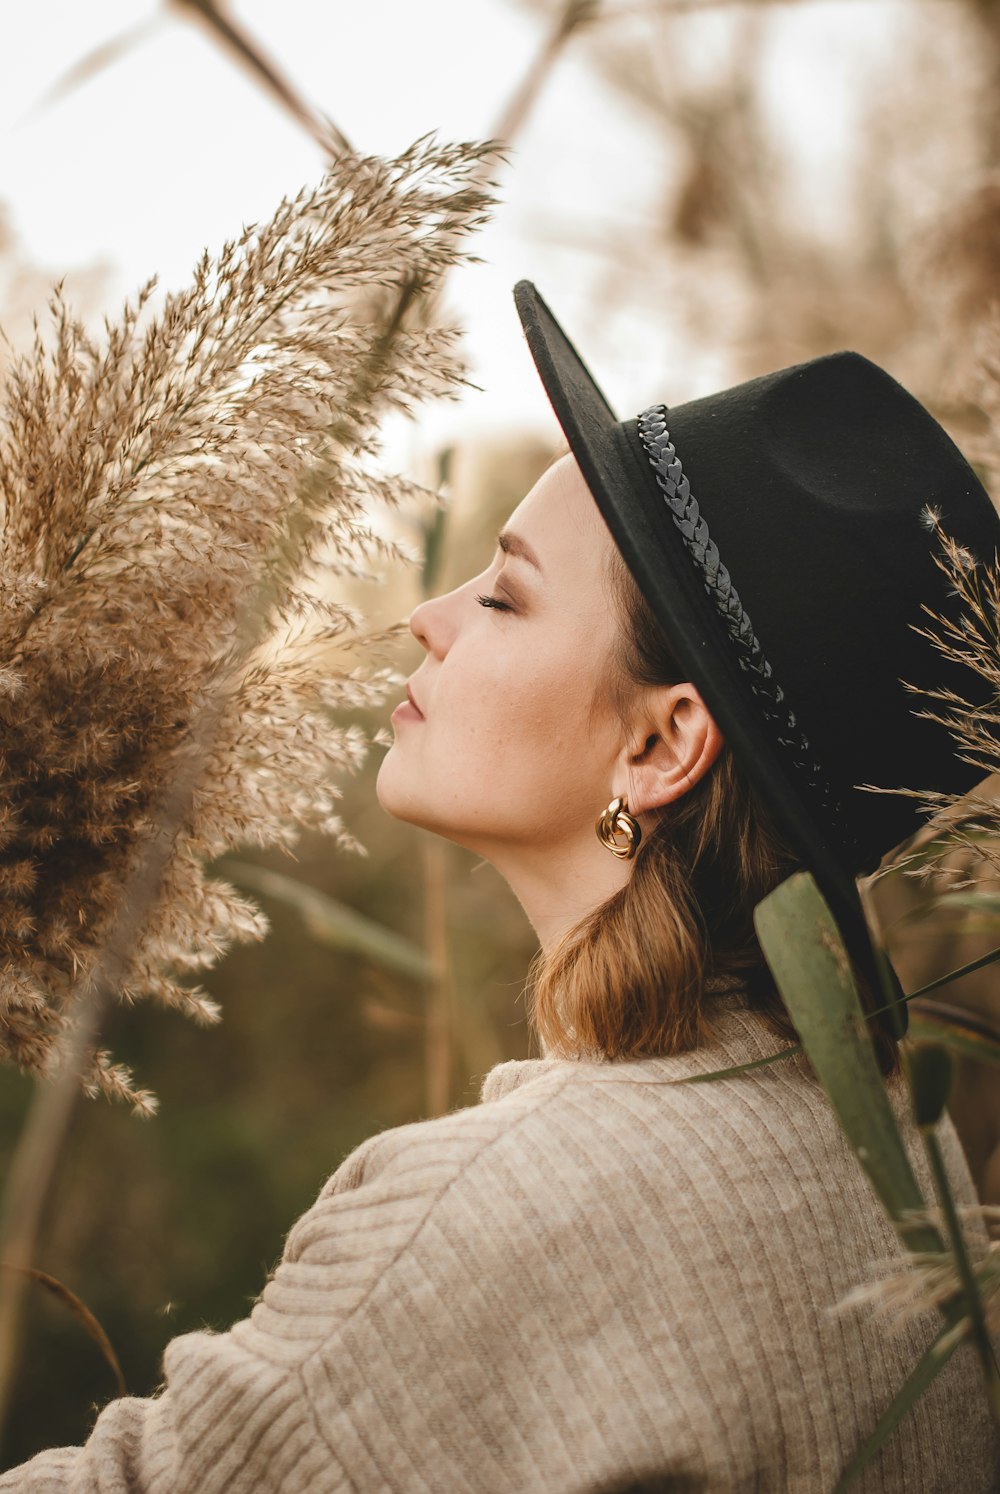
(513, 544)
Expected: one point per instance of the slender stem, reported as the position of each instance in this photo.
(574, 14)
(80, 1311)
(240, 43)
(39, 1150)
(439, 1030)
(973, 1301)
(990, 958)
(933, 1361)
(41, 1144)
(439, 1022)
(42, 1140)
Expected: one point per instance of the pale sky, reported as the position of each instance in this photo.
(172, 148)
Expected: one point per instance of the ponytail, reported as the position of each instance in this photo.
(634, 978)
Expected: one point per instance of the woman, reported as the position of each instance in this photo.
(600, 1278)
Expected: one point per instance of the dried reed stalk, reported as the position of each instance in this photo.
(970, 636)
(932, 1280)
(162, 697)
(146, 488)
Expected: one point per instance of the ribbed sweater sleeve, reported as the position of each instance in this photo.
(243, 1410)
(596, 1280)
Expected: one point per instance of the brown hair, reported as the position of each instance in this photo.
(630, 979)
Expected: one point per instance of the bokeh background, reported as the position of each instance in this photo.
(703, 191)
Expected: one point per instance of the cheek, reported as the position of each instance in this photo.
(523, 699)
(529, 717)
(509, 750)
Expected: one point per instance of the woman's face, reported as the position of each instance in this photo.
(518, 748)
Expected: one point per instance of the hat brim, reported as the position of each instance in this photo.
(614, 465)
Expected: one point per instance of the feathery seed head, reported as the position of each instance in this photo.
(222, 446)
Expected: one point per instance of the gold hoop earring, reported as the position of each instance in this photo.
(617, 820)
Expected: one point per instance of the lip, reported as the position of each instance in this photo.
(407, 710)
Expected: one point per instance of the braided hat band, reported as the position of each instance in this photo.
(704, 554)
(815, 481)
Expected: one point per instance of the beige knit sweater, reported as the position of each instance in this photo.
(593, 1280)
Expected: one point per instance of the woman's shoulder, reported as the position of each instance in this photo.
(522, 1100)
(555, 1138)
(731, 1197)
(759, 1150)
(576, 1119)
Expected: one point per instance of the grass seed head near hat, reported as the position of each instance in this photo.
(778, 532)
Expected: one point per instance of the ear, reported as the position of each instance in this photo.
(678, 743)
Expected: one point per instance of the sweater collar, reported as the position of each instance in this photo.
(740, 1036)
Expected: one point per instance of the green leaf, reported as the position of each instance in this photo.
(333, 923)
(931, 1364)
(812, 970)
(931, 1073)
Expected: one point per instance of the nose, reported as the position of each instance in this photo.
(433, 623)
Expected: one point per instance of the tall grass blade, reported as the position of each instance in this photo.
(88, 1322)
(990, 958)
(931, 1364)
(434, 538)
(333, 923)
(812, 970)
(439, 1029)
(970, 1304)
(740, 1068)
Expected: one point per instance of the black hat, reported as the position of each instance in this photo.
(778, 532)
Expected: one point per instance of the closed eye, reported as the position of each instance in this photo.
(485, 601)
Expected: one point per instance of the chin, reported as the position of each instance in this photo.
(393, 796)
(383, 785)
(404, 799)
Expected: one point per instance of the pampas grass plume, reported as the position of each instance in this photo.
(224, 445)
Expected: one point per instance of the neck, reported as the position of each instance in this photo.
(559, 886)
